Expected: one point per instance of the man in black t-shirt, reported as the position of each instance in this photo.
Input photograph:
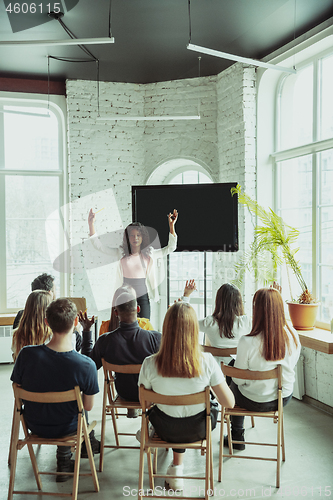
(128, 344)
(56, 367)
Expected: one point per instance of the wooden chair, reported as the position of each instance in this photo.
(149, 443)
(74, 441)
(220, 351)
(277, 417)
(112, 403)
(223, 352)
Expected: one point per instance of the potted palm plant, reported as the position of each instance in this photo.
(272, 247)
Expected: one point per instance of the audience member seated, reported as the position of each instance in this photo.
(180, 367)
(56, 367)
(271, 342)
(46, 282)
(113, 323)
(128, 344)
(32, 329)
(228, 322)
(42, 282)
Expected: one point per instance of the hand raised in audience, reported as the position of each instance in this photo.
(190, 287)
(276, 286)
(85, 321)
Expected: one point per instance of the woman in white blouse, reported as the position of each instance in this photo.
(180, 367)
(271, 342)
(228, 322)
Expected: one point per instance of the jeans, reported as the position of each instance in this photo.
(237, 422)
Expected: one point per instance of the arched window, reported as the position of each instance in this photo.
(304, 171)
(31, 185)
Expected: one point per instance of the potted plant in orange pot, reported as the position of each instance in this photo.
(271, 248)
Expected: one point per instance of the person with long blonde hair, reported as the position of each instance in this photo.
(271, 342)
(180, 367)
(32, 329)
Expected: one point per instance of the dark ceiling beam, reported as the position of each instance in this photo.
(32, 86)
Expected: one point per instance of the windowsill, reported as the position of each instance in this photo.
(317, 339)
(7, 319)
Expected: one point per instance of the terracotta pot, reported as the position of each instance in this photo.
(303, 316)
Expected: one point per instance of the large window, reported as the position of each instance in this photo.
(304, 168)
(31, 185)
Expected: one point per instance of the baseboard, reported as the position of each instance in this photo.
(318, 404)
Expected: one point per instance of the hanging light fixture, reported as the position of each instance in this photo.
(230, 57)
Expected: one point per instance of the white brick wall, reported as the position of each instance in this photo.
(119, 154)
(236, 128)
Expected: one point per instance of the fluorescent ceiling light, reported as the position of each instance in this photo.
(148, 118)
(70, 41)
(231, 57)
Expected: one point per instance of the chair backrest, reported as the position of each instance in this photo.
(231, 371)
(220, 351)
(111, 367)
(147, 397)
(47, 397)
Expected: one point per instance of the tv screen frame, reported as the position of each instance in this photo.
(194, 203)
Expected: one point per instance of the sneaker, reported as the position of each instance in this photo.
(64, 466)
(175, 483)
(95, 445)
(151, 432)
(236, 435)
(132, 413)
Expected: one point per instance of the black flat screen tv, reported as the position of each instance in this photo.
(208, 215)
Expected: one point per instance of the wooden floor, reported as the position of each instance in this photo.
(308, 469)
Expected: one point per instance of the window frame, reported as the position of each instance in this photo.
(313, 148)
(57, 105)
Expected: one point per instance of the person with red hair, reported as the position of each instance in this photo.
(271, 342)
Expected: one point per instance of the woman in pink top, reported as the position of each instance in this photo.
(137, 259)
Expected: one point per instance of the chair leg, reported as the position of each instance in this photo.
(115, 428)
(221, 445)
(11, 437)
(101, 456)
(229, 435)
(32, 455)
(77, 458)
(252, 420)
(155, 460)
(282, 440)
(141, 468)
(150, 469)
(211, 469)
(90, 455)
(278, 454)
(13, 452)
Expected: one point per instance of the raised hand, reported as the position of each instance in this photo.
(85, 321)
(172, 221)
(190, 286)
(276, 286)
(91, 221)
